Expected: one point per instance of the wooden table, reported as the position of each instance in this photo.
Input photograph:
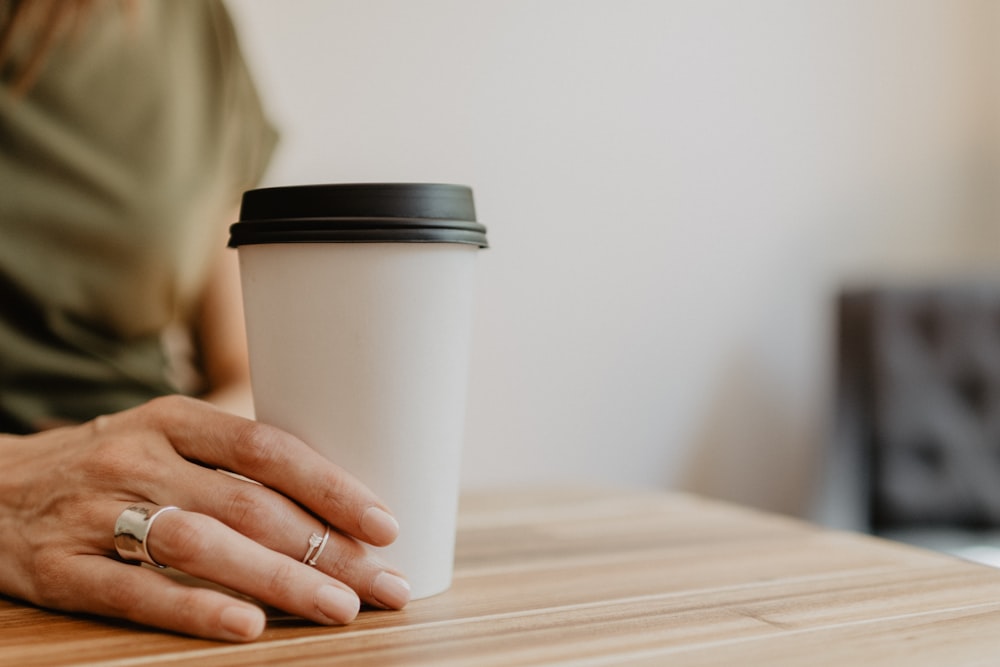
(587, 578)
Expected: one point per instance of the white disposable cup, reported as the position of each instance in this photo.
(361, 350)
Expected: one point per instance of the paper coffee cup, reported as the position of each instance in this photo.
(358, 302)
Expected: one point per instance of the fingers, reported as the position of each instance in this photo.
(277, 460)
(206, 548)
(274, 521)
(141, 595)
(347, 560)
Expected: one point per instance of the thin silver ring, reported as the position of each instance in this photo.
(316, 546)
(132, 531)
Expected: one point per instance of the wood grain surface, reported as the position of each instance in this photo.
(587, 578)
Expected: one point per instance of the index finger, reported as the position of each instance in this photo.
(278, 460)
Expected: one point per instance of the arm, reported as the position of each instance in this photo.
(221, 336)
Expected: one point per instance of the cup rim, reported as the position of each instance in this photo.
(358, 213)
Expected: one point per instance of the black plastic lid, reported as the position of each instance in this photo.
(358, 213)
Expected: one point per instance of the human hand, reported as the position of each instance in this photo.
(61, 492)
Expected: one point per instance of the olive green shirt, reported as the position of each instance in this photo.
(118, 171)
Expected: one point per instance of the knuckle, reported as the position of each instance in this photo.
(178, 542)
(338, 493)
(185, 609)
(117, 457)
(118, 452)
(344, 559)
(120, 597)
(244, 511)
(257, 446)
(280, 580)
(155, 409)
(169, 404)
(162, 410)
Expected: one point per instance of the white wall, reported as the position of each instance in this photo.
(674, 189)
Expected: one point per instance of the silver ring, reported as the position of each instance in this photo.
(316, 545)
(132, 531)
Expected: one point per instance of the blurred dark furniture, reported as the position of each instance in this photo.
(918, 405)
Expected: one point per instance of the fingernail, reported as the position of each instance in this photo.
(379, 526)
(336, 604)
(391, 591)
(242, 623)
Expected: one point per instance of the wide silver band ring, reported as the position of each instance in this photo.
(316, 545)
(132, 531)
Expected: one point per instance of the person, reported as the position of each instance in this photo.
(128, 131)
